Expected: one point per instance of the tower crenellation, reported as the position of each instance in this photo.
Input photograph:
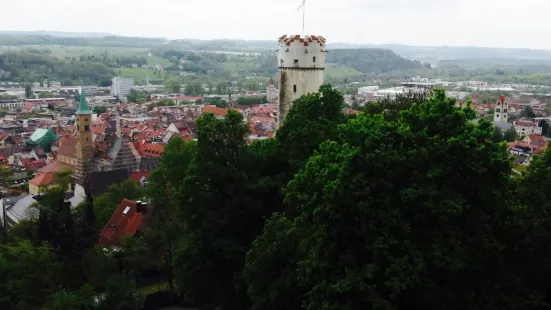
(301, 63)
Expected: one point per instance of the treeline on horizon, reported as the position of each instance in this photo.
(407, 205)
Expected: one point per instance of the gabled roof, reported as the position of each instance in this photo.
(43, 179)
(137, 176)
(53, 167)
(124, 222)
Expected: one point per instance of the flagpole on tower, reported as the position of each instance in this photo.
(303, 6)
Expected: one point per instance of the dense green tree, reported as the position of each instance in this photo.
(29, 91)
(30, 273)
(510, 134)
(107, 203)
(46, 95)
(216, 191)
(194, 89)
(137, 96)
(99, 110)
(384, 202)
(528, 112)
(173, 86)
(165, 225)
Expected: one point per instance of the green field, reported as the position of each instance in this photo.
(232, 66)
(75, 51)
(139, 74)
(341, 72)
(156, 60)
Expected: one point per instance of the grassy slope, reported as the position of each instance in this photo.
(341, 72)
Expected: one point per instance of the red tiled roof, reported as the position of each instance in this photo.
(215, 110)
(43, 179)
(526, 123)
(136, 176)
(122, 225)
(53, 167)
(149, 150)
(189, 98)
(30, 164)
(67, 146)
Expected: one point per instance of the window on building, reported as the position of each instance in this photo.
(295, 62)
(87, 128)
(505, 110)
(294, 88)
(498, 110)
(314, 59)
(497, 115)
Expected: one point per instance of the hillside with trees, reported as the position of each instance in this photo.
(371, 60)
(407, 205)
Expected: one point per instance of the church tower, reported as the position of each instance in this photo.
(85, 146)
(301, 63)
(501, 114)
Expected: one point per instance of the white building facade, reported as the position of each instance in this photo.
(301, 63)
(525, 128)
(121, 87)
(501, 113)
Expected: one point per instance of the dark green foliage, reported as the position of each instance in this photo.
(371, 60)
(107, 203)
(37, 67)
(99, 110)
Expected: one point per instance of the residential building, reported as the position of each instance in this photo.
(141, 178)
(121, 87)
(301, 63)
(127, 221)
(525, 128)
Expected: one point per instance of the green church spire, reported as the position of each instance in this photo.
(83, 105)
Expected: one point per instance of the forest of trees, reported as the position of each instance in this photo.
(408, 205)
(30, 67)
(371, 60)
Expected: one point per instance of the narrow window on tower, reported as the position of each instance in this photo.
(87, 128)
(294, 88)
(314, 59)
(296, 62)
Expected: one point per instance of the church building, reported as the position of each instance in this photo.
(85, 152)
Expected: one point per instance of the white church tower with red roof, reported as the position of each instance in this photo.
(301, 63)
(501, 112)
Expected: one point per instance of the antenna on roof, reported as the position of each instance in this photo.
(303, 6)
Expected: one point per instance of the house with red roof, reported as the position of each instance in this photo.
(127, 221)
(218, 112)
(141, 178)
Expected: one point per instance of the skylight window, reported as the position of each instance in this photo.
(126, 210)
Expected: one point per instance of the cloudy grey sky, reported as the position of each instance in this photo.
(495, 23)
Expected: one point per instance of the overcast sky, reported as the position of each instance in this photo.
(494, 23)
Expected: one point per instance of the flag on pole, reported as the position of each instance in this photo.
(303, 3)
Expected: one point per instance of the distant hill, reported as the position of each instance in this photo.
(455, 52)
(371, 60)
(435, 53)
(58, 34)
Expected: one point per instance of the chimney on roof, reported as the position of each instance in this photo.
(142, 207)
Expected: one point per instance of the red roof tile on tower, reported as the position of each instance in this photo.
(502, 99)
(122, 224)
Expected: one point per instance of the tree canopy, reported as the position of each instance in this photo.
(406, 205)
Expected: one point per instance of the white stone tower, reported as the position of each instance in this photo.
(301, 63)
(501, 114)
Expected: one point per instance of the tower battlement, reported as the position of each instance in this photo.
(306, 52)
